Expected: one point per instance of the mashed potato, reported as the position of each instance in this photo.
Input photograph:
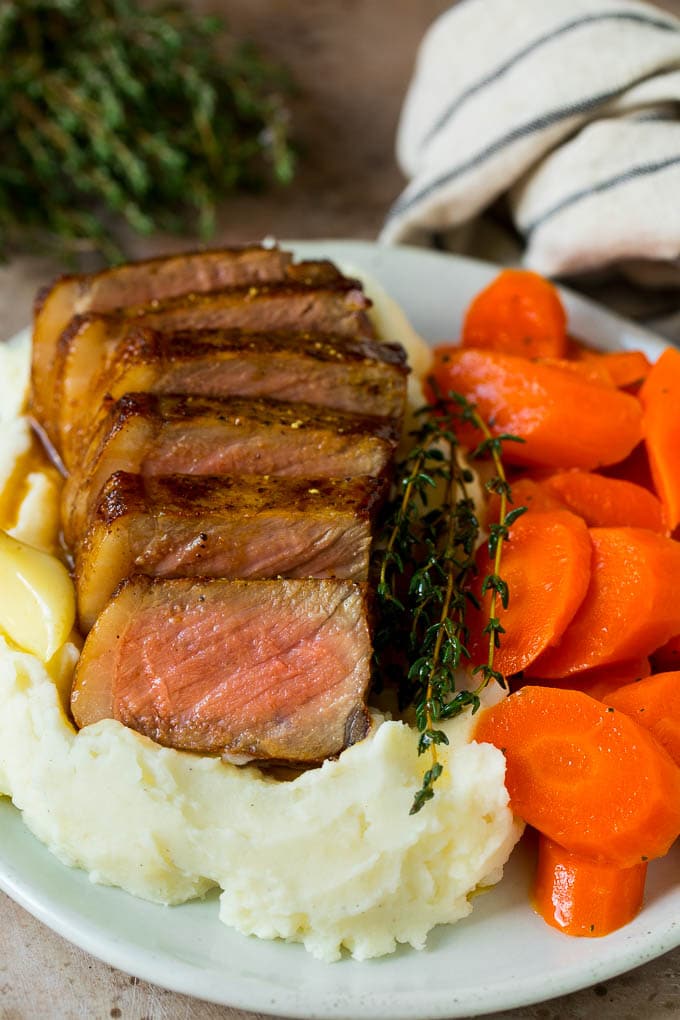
(168, 826)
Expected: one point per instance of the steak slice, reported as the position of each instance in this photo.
(88, 347)
(151, 435)
(361, 376)
(139, 283)
(248, 527)
(336, 305)
(267, 670)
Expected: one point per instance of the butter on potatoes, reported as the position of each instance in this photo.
(168, 826)
(37, 598)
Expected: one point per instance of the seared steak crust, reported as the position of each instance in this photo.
(229, 419)
(357, 375)
(248, 527)
(139, 283)
(267, 670)
(166, 276)
(88, 347)
(184, 434)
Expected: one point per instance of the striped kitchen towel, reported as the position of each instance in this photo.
(559, 118)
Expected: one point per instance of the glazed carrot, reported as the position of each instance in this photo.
(667, 657)
(624, 368)
(599, 500)
(546, 565)
(565, 421)
(589, 370)
(519, 313)
(631, 606)
(601, 681)
(606, 502)
(580, 896)
(585, 775)
(525, 492)
(655, 704)
(660, 397)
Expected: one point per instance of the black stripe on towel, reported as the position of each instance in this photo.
(406, 202)
(569, 26)
(643, 170)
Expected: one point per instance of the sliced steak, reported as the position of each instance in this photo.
(88, 346)
(361, 376)
(161, 435)
(268, 670)
(248, 527)
(139, 283)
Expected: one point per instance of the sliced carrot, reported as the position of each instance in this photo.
(585, 775)
(525, 492)
(590, 370)
(660, 397)
(519, 313)
(667, 657)
(601, 681)
(606, 502)
(655, 704)
(565, 421)
(631, 606)
(546, 565)
(601, 501)
(624, 368)
(583, 897)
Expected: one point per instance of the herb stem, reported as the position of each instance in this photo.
(452, 481)
(117, 115)
(400, 517)
(427, 562)
(502, 517)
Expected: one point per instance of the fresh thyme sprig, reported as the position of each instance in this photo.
(114, 111)
(492, 446)
(426, 567)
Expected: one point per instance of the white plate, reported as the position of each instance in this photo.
(500, 957)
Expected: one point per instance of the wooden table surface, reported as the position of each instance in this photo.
(351, 87)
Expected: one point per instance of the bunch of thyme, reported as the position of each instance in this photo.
(425, 568)
(115, 110)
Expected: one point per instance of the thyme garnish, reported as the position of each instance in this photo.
(426, 566)
(116, 113)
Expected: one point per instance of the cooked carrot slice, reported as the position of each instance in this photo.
(631, 606)
(624, 368)
(565, 420)
(546, 565)
(601, 501)
(520, 312)
(655, 704)
(606, 502)
(660, 397)
(601, 681)
(583, 897)
(585, 775)
(590, 370)
(525, 492)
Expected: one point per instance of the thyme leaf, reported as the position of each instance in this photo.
(425, 564)
(114, 113)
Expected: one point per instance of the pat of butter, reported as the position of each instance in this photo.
(37, 600)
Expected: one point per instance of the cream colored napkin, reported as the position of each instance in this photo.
(548, 130)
